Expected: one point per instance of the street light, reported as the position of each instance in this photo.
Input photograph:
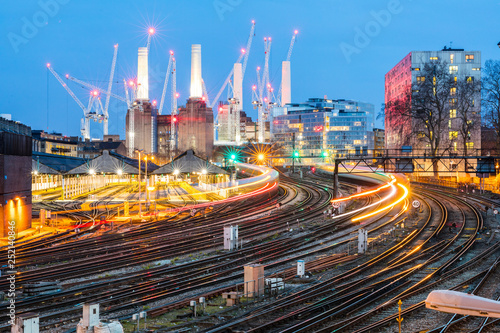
(147, 180)
(139, 180)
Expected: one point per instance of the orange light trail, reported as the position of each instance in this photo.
(358, 195)
(406, 192)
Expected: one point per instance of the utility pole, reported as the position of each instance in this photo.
(293, 152)
(139, 178)
(336, 179)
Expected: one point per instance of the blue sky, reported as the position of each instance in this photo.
(330, 57)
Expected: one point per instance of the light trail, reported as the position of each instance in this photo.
(358, 195)
(406, 192)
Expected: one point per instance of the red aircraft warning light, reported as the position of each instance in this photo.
(151, 31)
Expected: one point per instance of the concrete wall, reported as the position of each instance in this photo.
(15, 192)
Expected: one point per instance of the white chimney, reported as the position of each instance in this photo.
(238, 85)
(142, 74)
(196, 86)
(286, 83)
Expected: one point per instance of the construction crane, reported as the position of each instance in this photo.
(151, 32)
(108, 96)
(93, 87)
(94, 110)
(165, 84)
(173, 112)
(258, 100)
(288, 57)
(243, 56)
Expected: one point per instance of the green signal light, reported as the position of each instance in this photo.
(296, 154)
(324, 154)
(233, 156)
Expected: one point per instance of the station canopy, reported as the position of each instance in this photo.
(43, 163)
(188, 162)
(112, 163)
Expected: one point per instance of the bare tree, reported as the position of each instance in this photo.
(491, 95)
(428, 105)
(466, 94)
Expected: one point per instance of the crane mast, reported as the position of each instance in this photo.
(173, 112)
(167, 76)
(108, 95)
(288, 57)
(263, 83)
(243, 56)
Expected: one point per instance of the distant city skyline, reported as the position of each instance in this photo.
(343, 50)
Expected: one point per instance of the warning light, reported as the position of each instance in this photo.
(296, 154)
(95, 93)
(131, 83)
(174, 119)
(296, 32)
(243, 50)
(176, 95)
(151, 31)
(313, 169)
(48, 64)
(154, 102)
(171, 52)
(324, 154)
(254, 87)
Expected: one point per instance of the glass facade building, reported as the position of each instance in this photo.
(323, 127)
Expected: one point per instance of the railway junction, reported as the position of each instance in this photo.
(259, 250)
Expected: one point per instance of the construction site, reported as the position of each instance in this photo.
(154, 126)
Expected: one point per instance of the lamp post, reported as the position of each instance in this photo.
(147, 180)
(139, 179)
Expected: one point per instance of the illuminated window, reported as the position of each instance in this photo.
(476, 69)
(453, 69)
(453, 91)
(421, 134)
(469, 58)
(455, 146)
(449, 123)
(452, 56)
(453, 135)
(455, 79)
(416, 68)
(433, 58)
(470, 79)
(420, 78)
(453, 102)
(453, 113)
(470, 145)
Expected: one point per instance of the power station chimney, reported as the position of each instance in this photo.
(142, 74)
(286, 83)
(238, 84)
(196, 86)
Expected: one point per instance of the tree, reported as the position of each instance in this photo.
(491, 95)
(467, 103)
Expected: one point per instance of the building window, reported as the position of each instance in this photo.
(452, 56)
(434, 58)
(453, 113)
(453, 135)
(416, 68)
(453, 91)
(455, 146)
(470, 79)
(449, 123)
(470, 145)
(453, 69)
(476, 68)
(453, 102)
(469, 58)
(420, 78)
